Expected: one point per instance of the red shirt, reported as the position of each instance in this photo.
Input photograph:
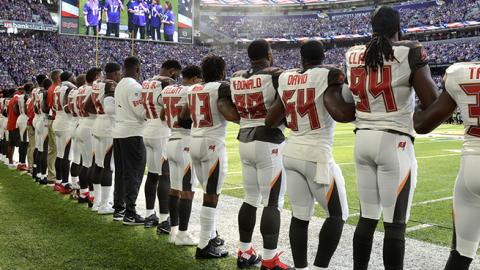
(12, 116)
(30, 110)
(50, 98)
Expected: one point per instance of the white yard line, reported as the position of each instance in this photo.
(419, 227)
(433, 201)
(232, 188)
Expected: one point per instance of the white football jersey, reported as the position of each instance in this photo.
(72, 103)
(174, 98)
(102, 127)
(384, 98)
(152, 101)
(312, 127)
(207, 121)
(253, 95)
(38, 97)
(59, 97)
(21, 104)
(462, 82)
(86, 119)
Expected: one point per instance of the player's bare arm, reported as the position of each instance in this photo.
(89, 106)
(276, 114)
(336, 106)
(437, 113)
(228, 110)
(425, 87)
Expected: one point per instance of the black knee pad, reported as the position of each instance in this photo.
(298, 241)
(362, 242)
(328, 240)
(151, 189)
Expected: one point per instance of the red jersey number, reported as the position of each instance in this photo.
(147, 100)
(303, 106)
(81, 106)
(204, 110)
(57, 103)
(380, 84)
(172, 111)
(97, 103)
(473, 109)
(251, 106)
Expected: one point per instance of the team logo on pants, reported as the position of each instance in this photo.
(402, 145)
(211, 147)
(275, 152)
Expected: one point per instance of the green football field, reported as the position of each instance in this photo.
(123, 15)
(438, 163)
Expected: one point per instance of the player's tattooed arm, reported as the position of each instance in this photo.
(225, 104)
(276, 114)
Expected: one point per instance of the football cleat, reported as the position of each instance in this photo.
(118, 215)
(12, 166)
(248, 259)
(133, 219)
(211, 251)
(57, 187)
(43, 181)
(95, 205)
(83, 199)
(173, 234)
(66, 190)
(164, 227)
(22, 167)
(185, 239)
(218, 241)
(151, 221)
(106, 210)
(275, 264)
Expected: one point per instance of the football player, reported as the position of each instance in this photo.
(41, 131)
(63, 132)
(3, 155)
(254, 92)
(182, 177)
(381, 75)
(156, 136)
(85, 139)
(312, 175)
(462, 84)
(102, 133)
(31, 104)
(210, 107)
(22, 120)
(13, 131)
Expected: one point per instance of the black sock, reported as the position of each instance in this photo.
(184, 210)
(83, 177)
(299, 242)
(34, 167)
(92, 177)
(22, 152)
(173, 206)
(328, 240)
(106, 177)
(163, 189)
(75, 169)
(151, 189)
(65, 170)
(58, 168)
(270, 227)
(457, 261)
(394, 246)
(362, 243)
(246, 222)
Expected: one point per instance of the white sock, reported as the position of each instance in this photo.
(213, 234)
(74, 179)
(149, 212)
(163, 217)
(44, 176)
(245, 246)
(268, 254)
(305, 268)
(97, 191)
(181, 233)
(317, 267)
(83, 192)
(105, 196)
(58, 182)
(39, 175)
(207, 225)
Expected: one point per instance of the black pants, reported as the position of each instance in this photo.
(142, 31)
(94, 30)
(130, 160)
(155, 30)
(113, 28)
(130, 23)
(167, 37)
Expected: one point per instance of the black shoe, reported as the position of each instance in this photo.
(43, 182)
(248, 259)
(133, 219)
(151, 221)
(211, 251)
(164, 227)
(83, 200)
(118, 215)
(218, 241)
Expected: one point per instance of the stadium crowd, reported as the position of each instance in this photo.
(29, 54)
(331, 25)
(25, 11)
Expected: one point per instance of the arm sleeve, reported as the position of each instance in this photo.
(417, 57)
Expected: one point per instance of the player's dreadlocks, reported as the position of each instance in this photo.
(385, 24)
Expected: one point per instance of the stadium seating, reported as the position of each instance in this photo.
(27, 55)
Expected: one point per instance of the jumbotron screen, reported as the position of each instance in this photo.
(159, 20)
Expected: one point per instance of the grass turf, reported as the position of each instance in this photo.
(44, 230)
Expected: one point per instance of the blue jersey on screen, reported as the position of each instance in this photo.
(113, 11)
(157, 15)
(169, 29)
(91, 10)
(140, 15)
